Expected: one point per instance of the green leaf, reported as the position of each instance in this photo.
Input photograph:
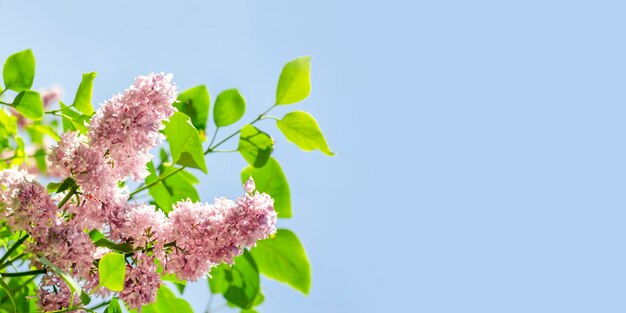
(20, 154)
(255, 146)
(82, 101)
(244, 282)
(294, 84)
(40, 160)
(167, 302)
(95, 235)
(65, 185)
(84, 298)
(185, 143)
(114, 307)
(239, 283)
(119, 247)
(180, 185)
(43, 129)
(29, 104)
(73, 120)
(158, 191)
(195, 103)
(301, 128)
(229, 107)
(19, 71)
(112, 271)
(9, 293)
(283, 258)
(8, 124)
(271, 180)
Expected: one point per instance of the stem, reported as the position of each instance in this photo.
(12, 260)
(5, 103)
(271, 117)
(162, 178)
(224, 151)
(27, 273)
(100, 305)
(214, 136)
(13, 247)
(68, 196)
(58, 110)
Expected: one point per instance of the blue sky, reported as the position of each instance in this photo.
(480, 162)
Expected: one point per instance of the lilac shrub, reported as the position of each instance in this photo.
(88, 234)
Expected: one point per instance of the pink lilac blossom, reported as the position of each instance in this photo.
(25, 203)
(142, 282)
(54, 294)
(207, 235)
(141, 225)
(69, 248)
(73, 157)
(127, 126)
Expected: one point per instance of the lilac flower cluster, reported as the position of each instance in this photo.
(188, 243)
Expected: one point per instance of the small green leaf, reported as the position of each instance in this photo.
(82, 101)
(19, 71)
(167, 302)
(294, 84)
(255, 146)
(52, 187)
(283, 258)
(114, 307)
(229, 107)
(271, 180)
(84, 298)
(65, 185)
(195, 103)
(119, 247)
(185, 143)
(29, 104)
(95, 235)
(301, 128)
(112, 271)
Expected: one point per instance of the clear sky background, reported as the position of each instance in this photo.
(481, 161)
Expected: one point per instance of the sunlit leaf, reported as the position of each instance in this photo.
(82, 101)
(255, 146)
(195, 103)
(112, 271)
(282, 257)
(185, 143)
(301, 128)
(294, 84)
(229, 107)
(29, 104)
(19, 71)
